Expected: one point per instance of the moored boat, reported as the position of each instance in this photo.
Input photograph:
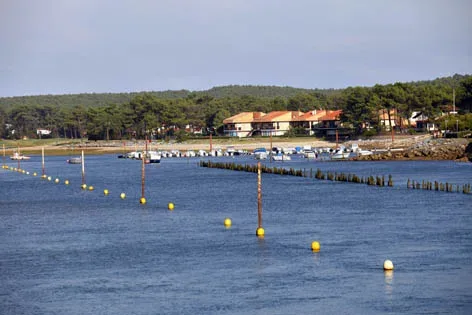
(281, 157)
(260, 154)
(18, 156)
(153, 157)
(341, 154)
(76, 160)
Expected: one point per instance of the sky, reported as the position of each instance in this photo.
(86, 46)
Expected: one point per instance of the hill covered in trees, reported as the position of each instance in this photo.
(125, 115)
(101, 99)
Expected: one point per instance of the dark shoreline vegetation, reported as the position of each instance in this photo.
(111, 116)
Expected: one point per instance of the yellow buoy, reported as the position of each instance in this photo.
(122, 195)
(43, 176)
(260, 232)
(315, 246)
(34, 174)
(23, 171)
(66, 182)
(388, 265)
(84, 186)
(227, 222)
(170, 206)
(142, 200)
(105, 192)
(56, 180)
(49, 178)
(90, 188)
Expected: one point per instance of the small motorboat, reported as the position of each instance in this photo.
(281, 157)
(18, 156)
(153, 157)
(260, 154)
(76, 160)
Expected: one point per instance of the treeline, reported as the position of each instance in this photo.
(102, 99)
(128, 115)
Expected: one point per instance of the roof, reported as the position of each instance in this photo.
(313, 115)
(331, 115)
(279, 116)
(244, 117)
(419, 116)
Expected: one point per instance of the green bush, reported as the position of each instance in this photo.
(369, 133)
(181, 136)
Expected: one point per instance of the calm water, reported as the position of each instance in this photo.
(68, 251)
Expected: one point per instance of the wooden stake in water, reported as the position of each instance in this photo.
(142, 176)
(270, 149)
(19, 155)
(259, 195)
(42, 161)
(145, 157)
(83, 168)
(4, 155)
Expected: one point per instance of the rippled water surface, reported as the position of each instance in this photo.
(68, 251)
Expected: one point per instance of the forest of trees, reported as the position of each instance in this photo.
(128, 115)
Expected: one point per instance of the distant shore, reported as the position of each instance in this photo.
(103, 147)
(403, 147)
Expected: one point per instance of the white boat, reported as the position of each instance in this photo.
(260, 154)
(289, 150)
(281, 157)
(176, 153)
(76, 160)
(230, 151)
(341, 154)
(359, 151)
(18, 156)
(216, 152)
(309, 154)
(202, 153)
(190, 153)
(153, 157)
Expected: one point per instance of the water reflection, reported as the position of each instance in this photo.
(316, 258)
(388, 274)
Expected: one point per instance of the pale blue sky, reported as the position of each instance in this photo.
(75, 46)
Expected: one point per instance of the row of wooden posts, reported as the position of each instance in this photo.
(341, 177)
(437, 186)
(318, 174)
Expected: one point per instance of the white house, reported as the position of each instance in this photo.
(43, 132)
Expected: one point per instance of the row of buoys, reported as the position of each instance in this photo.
(260, 232)
(437, 186)
(315, 245)
(142, 200)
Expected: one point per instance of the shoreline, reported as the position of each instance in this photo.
(402, 148)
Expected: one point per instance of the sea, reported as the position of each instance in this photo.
(65, 250)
